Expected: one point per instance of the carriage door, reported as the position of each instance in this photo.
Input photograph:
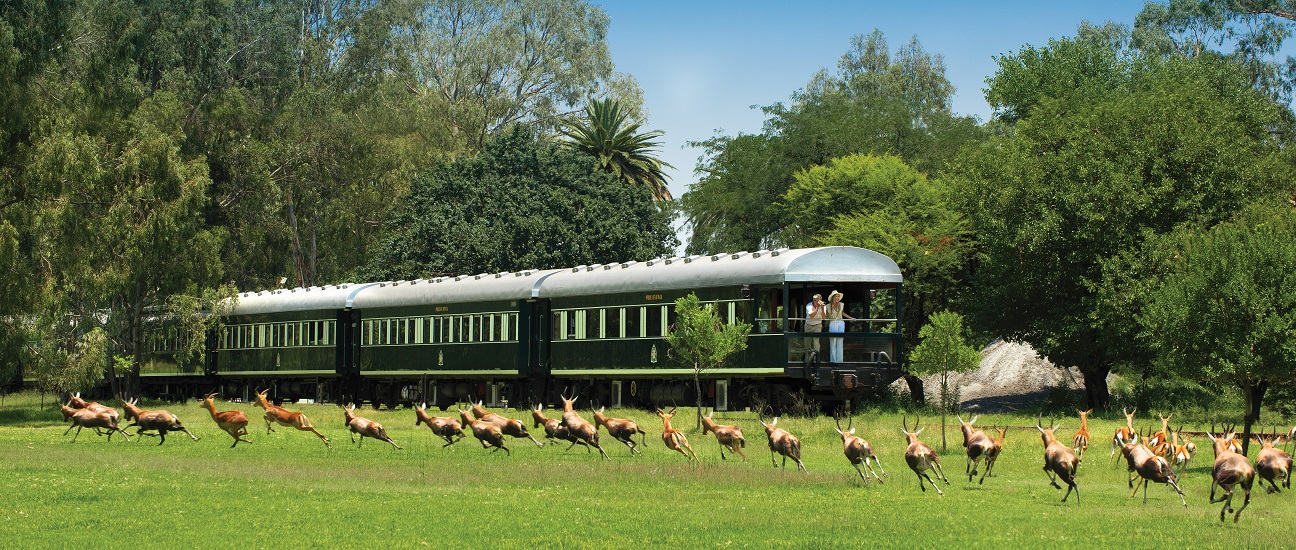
(347, 345)
(534, 325)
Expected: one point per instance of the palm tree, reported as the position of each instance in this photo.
(608, 134)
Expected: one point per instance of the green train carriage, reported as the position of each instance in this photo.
(523, 337)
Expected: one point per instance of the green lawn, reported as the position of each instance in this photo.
(287, 490)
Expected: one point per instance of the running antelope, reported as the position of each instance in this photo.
(149, 421)
(858, 450)
(554, 430)
(86, 418)
(1059, 460)
(1182, 452)
(77, 403)
(278, 415)
(977, 444)
(1124, 434)
(581, 429)
(508, 426)
(1159, 443)
(674, 439)
(621, 429)
(783, 442)
(445, 427)
(1230, 469)
(365, 427)
(920, 457)
(1151, 467)
(730, 437)
(487, 433)
(233, 422)
(993, 454)
(1080, 443)
(1273, 463)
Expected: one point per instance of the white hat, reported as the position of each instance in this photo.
(835, 293)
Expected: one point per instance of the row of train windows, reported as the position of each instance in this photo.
(277, 335)
(444, 329)
(625, 322)
(167, 340)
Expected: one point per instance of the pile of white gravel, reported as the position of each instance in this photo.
(1007, 370)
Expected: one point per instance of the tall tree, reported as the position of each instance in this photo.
(1254, 29)
(607, 133)
(1226, 311)
(495, 63)
(523, 203)
(1081, 178)
(878, 102)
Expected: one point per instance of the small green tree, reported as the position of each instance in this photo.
(702, 339)
(943, 350)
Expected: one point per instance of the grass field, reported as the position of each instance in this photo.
(287, 490)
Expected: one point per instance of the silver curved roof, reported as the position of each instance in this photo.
(296, 299)
(836, 264)
(450, 290)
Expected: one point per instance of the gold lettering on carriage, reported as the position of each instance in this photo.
(652, 296)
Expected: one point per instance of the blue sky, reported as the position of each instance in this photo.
(702, 65)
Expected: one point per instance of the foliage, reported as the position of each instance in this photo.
(72, 361)
(523, 203)
(1226, 311)
(878, 102)
(607, 134)
(702, 340)
(197, 315)
(1255, 29)
(496, 63)
(1083, 180)
(880, 203)
(943, 350)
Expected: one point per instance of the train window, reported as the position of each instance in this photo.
(560, 325)
(653, 321)
(483, 328)
(633, 321)
(511, 326)
(615, 322)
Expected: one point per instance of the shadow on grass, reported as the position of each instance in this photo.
(28, 416)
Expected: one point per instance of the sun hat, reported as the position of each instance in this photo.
(835, 293)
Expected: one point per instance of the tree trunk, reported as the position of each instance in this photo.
(1095, 380)
(1254, 391)
(916, 388)
(697, 390)
(944, 402)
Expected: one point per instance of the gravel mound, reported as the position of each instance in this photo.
(1012, 377)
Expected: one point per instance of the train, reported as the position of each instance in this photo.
(524, 337)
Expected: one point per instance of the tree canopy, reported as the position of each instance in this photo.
(523, 203)
(607, 133)
(1226, 309)
(879, 102)
(1081, 177)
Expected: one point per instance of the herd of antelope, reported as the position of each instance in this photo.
(1153, 457)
